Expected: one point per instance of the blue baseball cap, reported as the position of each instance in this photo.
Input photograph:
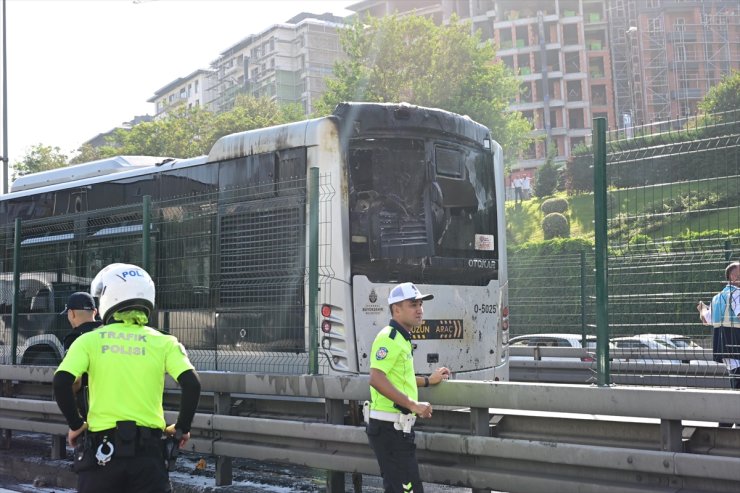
(79, 301)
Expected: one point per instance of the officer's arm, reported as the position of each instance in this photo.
(379, 381)
(189, 396)
(65, 397)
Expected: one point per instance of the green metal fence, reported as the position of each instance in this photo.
(231, 270)
(673, 217)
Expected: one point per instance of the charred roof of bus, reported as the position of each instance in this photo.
(366, 118)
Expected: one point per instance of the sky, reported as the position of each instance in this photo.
(77, 68)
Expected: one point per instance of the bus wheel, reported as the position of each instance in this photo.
(40, 358)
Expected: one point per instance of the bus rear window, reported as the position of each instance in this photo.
(449, 162)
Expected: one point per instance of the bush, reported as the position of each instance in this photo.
(555, 225)
(546, 179)
(554, 205)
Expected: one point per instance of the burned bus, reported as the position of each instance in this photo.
(406, 193)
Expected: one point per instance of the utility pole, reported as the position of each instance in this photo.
(5, 104)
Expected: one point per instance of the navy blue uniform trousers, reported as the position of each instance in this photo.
(396, 453)
(144, 473)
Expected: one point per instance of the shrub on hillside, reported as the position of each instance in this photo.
(554, 205)
(546, 179)
(555, 225)
(579, 171)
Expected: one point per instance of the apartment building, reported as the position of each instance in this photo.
(558, 49)
(668, 54)
(189, 91)
(286, 63)
(629, 61)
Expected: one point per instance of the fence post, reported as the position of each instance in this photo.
(16, 291)
(335, 416)
(583, 298)
(313, 271)
(728, 250)
(598, 137)
(479, 426)
(224, 473)
(145, 233)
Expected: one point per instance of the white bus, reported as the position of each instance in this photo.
(407, 193)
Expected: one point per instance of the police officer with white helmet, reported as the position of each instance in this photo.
(120, 446)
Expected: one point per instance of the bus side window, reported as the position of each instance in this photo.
(40, 301)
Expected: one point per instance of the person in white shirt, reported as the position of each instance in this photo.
(526, 188)
(723, 314)
(517, 190)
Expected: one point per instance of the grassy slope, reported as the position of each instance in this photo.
(524, 222)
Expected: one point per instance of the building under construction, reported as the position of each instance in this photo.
(629, 61)
(667, 54)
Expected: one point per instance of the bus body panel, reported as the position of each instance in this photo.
(459, 329)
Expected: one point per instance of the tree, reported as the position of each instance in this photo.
(40, 158)
(546, 177)
(411, 59)
(190, 132)
(725, 96)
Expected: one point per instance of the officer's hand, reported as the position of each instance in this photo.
(170, 430)
(422, 409)
(72, 435)
(438, 375)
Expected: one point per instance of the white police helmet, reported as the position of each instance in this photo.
(123, 287)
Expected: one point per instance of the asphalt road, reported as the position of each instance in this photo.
(28, 468)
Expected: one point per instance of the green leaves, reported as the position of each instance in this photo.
(413, 60)
(40, 158)
(725, 96)
(184, 133)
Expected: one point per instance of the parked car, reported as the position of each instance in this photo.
(554, 340)
(680, 342)
(645, 346)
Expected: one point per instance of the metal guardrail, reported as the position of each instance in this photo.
(613, 439)
(659, 368)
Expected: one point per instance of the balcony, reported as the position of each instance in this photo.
(690, 93)
(594, 18)
(682, 36)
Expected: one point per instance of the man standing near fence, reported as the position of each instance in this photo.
(81, 312)
(394, 393)
(724, 315)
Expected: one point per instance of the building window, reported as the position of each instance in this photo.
(196, 86)
(572, 62)
(570, 34)
(655, 25)
(679, 25)
(574, 90)
(680, 52)
(598, 95)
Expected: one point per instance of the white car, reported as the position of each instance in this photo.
(553, 340)
(645, 346)
(680, 342)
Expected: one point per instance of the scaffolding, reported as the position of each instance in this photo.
(666, 55)
(626, 62)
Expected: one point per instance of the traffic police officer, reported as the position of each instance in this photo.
(394, 405)
(122, 449)
(81, 312)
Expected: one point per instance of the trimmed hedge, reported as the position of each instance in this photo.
(555, 225)
(558, 205)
